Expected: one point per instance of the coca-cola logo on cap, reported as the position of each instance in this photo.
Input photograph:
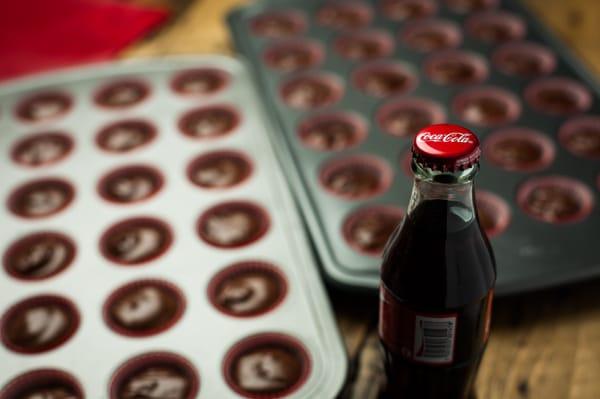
(452, 137)
(446, 146)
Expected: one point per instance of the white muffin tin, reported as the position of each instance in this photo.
(203, 335)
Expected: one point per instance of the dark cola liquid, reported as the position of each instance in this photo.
(439, 262)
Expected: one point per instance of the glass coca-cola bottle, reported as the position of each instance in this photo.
(438, 274)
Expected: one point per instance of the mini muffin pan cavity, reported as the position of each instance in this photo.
(150, 246)
(358, 78)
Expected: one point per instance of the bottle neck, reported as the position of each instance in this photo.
(438, 185)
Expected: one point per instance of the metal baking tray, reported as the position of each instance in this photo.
(201, 334)
(531, 254)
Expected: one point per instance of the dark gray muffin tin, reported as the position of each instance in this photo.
(530, 254)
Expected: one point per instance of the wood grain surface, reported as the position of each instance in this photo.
(544, 345)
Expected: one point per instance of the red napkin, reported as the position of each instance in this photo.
(36, 35)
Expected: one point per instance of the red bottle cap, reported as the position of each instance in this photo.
(446, 147)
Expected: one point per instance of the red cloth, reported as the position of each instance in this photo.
(36, 35)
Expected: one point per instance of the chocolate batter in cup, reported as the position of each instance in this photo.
(209, 122)
(487, 106)
(122, 94)
(384, 79)
(496, 27)
(43, 384)
(219, 169)
(266, 366)
(456, 67)
(44, 106)
(356, 177)
(332, 131)
(233, 224)
(200, 82)
(143, 308)
(42, 149)
(39, 256)
(431, 35)
(130, 184)
(405, 10)
(278, 24)
(247, 289)
(367, 229)
(581, 136)
(41, 198)
(555, 199)
(468, 6)
(524, 59)
(404, 117)
(155, 375)
(519, 149)
(311, 90)
(344, 15)
(364, 45)
(39, 324)
(558, 96)
(135, 241)
(293, 55)
(125, 136)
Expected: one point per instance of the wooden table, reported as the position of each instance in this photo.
(544, 345)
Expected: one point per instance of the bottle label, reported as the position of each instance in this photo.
(422, 338)
(434, 339)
